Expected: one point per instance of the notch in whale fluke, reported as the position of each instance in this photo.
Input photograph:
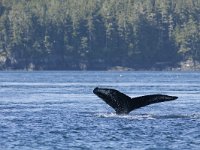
(124, 104)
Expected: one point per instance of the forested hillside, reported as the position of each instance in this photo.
(98, 34)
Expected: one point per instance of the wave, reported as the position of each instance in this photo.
(149, 116)
(94, 84)
(132, 117)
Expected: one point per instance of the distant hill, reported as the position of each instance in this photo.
(99, 34)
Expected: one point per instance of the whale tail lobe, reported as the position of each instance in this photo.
(123, 104)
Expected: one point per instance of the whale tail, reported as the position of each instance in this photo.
(123, 104)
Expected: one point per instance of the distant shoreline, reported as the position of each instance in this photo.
(188, 65)
(114, 69)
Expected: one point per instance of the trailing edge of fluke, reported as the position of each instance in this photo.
(124, 104)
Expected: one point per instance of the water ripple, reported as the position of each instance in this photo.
(57, 110)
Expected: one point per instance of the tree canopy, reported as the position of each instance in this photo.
(98, 34)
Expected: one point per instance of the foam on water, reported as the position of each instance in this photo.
(148, 116)
(130, 117)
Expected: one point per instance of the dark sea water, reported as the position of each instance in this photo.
(57, 110)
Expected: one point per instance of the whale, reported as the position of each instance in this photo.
(123, 104)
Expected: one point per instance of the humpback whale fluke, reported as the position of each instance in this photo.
(123, 104)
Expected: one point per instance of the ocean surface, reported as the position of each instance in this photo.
(58, 111)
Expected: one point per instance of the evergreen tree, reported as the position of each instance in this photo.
(101, 34)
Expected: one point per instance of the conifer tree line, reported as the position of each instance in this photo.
(98, 34)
